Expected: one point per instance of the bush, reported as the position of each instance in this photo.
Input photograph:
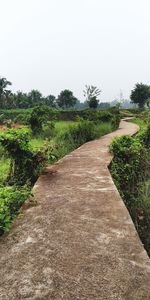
(39, 116)
(11, 200)
(22, 119)
(144, 135)
(116, 121)
(75, 135)
(128, 165)
(26, 164)
(83, 132)
(97, 115)
(130, 170)
(13, 113)
(48, 130)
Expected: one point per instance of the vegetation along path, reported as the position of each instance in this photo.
(78, 241)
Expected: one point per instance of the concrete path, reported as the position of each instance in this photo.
(78, 242)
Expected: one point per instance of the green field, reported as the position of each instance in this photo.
(37, 143)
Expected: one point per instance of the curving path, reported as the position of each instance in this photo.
(78, 241)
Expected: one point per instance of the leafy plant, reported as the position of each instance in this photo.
(130, 170)
(25, 163)
(39, 117)
(91, 94)
(11, 200)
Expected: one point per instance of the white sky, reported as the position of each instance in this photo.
(52, 45)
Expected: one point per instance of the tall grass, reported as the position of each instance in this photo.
(70, 137)
(4, 169)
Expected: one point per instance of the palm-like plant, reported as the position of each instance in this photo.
(3, 91)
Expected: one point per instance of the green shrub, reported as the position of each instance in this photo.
(48, 130)
(130, 170)
(96, 115)
(83, 132)
(115, 121)
(71, 137)
(22, 119)
(39, 117)
(11, 200)
(13, 113)
(2, 119)
(143, 214)
(128, 165)
(26, 164)
(144, 135)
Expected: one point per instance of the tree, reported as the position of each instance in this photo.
(21, 100)
(91, 94)
(66, 99)
(140, 94)
(35, 97)
(3, 91)
(148, 102)
(93, 103)
(50, 101)
(104, 105)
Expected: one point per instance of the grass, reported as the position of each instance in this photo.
(64, 146)
(64, 142)
(36, 143)
(60, 127)
(63, 125)
(104, 128)
(4, 169)
(142, 124)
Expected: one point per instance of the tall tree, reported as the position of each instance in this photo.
(22, 100)
(140, 94)
(35, 97)
(66, 99)
(91, 94)
(3, 90)
(50, 101)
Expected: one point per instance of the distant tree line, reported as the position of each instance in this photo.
(140, 96)
(65, 99)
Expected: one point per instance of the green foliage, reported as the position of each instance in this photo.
(39, 117)
(93, 103)
(4, 169)
(144, 137)
(115, 121)
(66, 99)
(96, 115)
(24, 160)
(143, 214)
(91, 94)
(48, 130)
(22, 119)
(11, 200)
(4, 93)
(127, 166)
(50, 101)
(22, 115)
(83, 132)
(140, 94)
(25, 163)
(70, 137)
(144, 134)
(35, 97)
(130, 170)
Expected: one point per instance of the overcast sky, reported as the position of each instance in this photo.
(52, 45)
